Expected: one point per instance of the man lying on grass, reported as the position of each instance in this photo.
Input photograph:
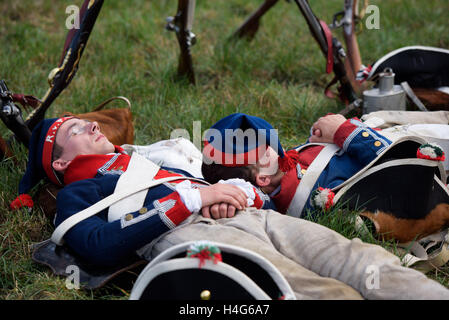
(398, 180)
(317, 262)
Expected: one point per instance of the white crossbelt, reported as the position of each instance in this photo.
(139, 169)
(309, 179)
(118, 195)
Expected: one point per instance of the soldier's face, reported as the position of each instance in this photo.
(268, 163)
(81, 137)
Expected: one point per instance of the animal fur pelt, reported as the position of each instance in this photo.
(433, 99)
(5, 151)
(404, 230)
(116, 124)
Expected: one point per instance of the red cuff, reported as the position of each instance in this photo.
(258, 202)
(179, 212)
(343, 132)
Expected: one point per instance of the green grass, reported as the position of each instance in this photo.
(278, 76)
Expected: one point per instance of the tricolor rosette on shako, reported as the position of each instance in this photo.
(203, 250)
(431, 151)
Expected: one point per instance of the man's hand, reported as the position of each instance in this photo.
(218, 211)
(323, 130)
(223, 193)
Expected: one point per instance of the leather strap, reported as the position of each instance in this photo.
(309, 179)
(330, 52)
(420, 259)
(67, 224)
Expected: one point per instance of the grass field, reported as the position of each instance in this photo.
(279, 76)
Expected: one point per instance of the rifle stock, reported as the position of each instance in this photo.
(344, 69)
(340, 67)
(182, 24)
(60, 77)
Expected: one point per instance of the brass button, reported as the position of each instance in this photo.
(128, 217)
(303, 171)
(143, 210)
(365, 134)
(205, 295)
(377, 143)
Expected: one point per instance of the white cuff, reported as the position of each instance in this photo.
(189, 196)
(247, 187)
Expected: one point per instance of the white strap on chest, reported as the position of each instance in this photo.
(309, 179)
(60, 231)
(139, 170)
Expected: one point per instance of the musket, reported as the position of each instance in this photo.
(251, 24)
(11, 115)
(334, 53)
(336, 56)
(74, 47)
(182, 24)
(58, 78)
(348, 19)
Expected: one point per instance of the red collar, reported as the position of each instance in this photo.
(88, 166)
(289, 182)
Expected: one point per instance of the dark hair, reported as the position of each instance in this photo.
(213, 172)
(57, 152)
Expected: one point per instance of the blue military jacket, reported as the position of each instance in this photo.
(101, 242)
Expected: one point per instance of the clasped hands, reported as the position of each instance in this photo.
(222, 200)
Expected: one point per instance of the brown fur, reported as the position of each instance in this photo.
(5, 152)
(433, 99)
(404, 230)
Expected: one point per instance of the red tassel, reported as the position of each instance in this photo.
(21, 201)
(289, 161)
